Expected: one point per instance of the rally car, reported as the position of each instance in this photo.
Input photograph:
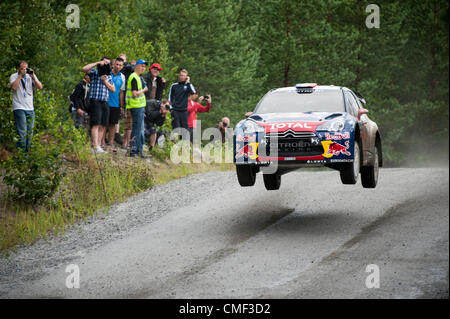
(305, 126)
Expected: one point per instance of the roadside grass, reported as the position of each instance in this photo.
(92, 184)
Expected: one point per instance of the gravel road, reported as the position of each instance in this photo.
(204, 236)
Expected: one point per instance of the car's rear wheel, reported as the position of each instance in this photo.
(350, 171)
(246, 175)
(369, 174)
(272, 181)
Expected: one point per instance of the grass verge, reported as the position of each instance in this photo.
(92, 183)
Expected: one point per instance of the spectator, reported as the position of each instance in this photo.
(128, 68)
(116, 100)
(223, 125)
(80, 102)
(178, 98)
(22, 84)
(194, 108)
(155, 83)
(155, 115)
(98, 106)
(136, 103)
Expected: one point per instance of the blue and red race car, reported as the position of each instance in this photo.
(306, 126)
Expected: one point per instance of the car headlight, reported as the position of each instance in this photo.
(252, 127)
(333, 125)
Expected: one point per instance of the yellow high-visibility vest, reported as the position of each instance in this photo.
(138, 101)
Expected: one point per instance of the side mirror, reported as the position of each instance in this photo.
(248, 114)
(360, 98)
(362, 111)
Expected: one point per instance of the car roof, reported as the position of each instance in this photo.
(318, 87)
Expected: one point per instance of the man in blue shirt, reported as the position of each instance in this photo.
(116, 100)
(98, 105)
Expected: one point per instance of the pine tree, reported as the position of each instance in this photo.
(205, 38)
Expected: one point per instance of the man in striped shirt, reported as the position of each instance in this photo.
(98, 105)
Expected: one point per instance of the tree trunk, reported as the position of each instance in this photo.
(287, 64)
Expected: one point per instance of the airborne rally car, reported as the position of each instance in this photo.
(305, 126)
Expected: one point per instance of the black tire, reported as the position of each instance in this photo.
(246, 175)
(369, 174)
(350, 171)
(272, 181)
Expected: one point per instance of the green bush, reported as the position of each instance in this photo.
(34, 176)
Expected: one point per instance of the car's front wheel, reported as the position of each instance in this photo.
(272, 181)
(350, 171)
(246, 175)
(369, 174)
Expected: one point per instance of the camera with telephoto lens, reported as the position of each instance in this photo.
(104, 69)
(30, 71)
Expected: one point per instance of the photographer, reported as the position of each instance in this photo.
(155, 115)
(194, 108)
(22, 84)
(80, 103)
(101, 84)
(223, 125)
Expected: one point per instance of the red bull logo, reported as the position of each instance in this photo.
(248, 151)
(334, 148)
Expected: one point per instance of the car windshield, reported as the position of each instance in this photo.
(292, 102)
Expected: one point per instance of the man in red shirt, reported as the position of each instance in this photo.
(194, 108)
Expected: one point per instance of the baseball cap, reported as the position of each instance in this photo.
(141, 61)
(155, 65)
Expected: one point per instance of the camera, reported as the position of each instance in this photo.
(205, 97)
(30, 71)
(167, 106)
(224, 124)
(104, 69)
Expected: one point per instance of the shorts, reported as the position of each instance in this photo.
(114, 115)
(99, 112)
(128, 121)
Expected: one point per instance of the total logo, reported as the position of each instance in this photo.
(334, 148)
(289, 125)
